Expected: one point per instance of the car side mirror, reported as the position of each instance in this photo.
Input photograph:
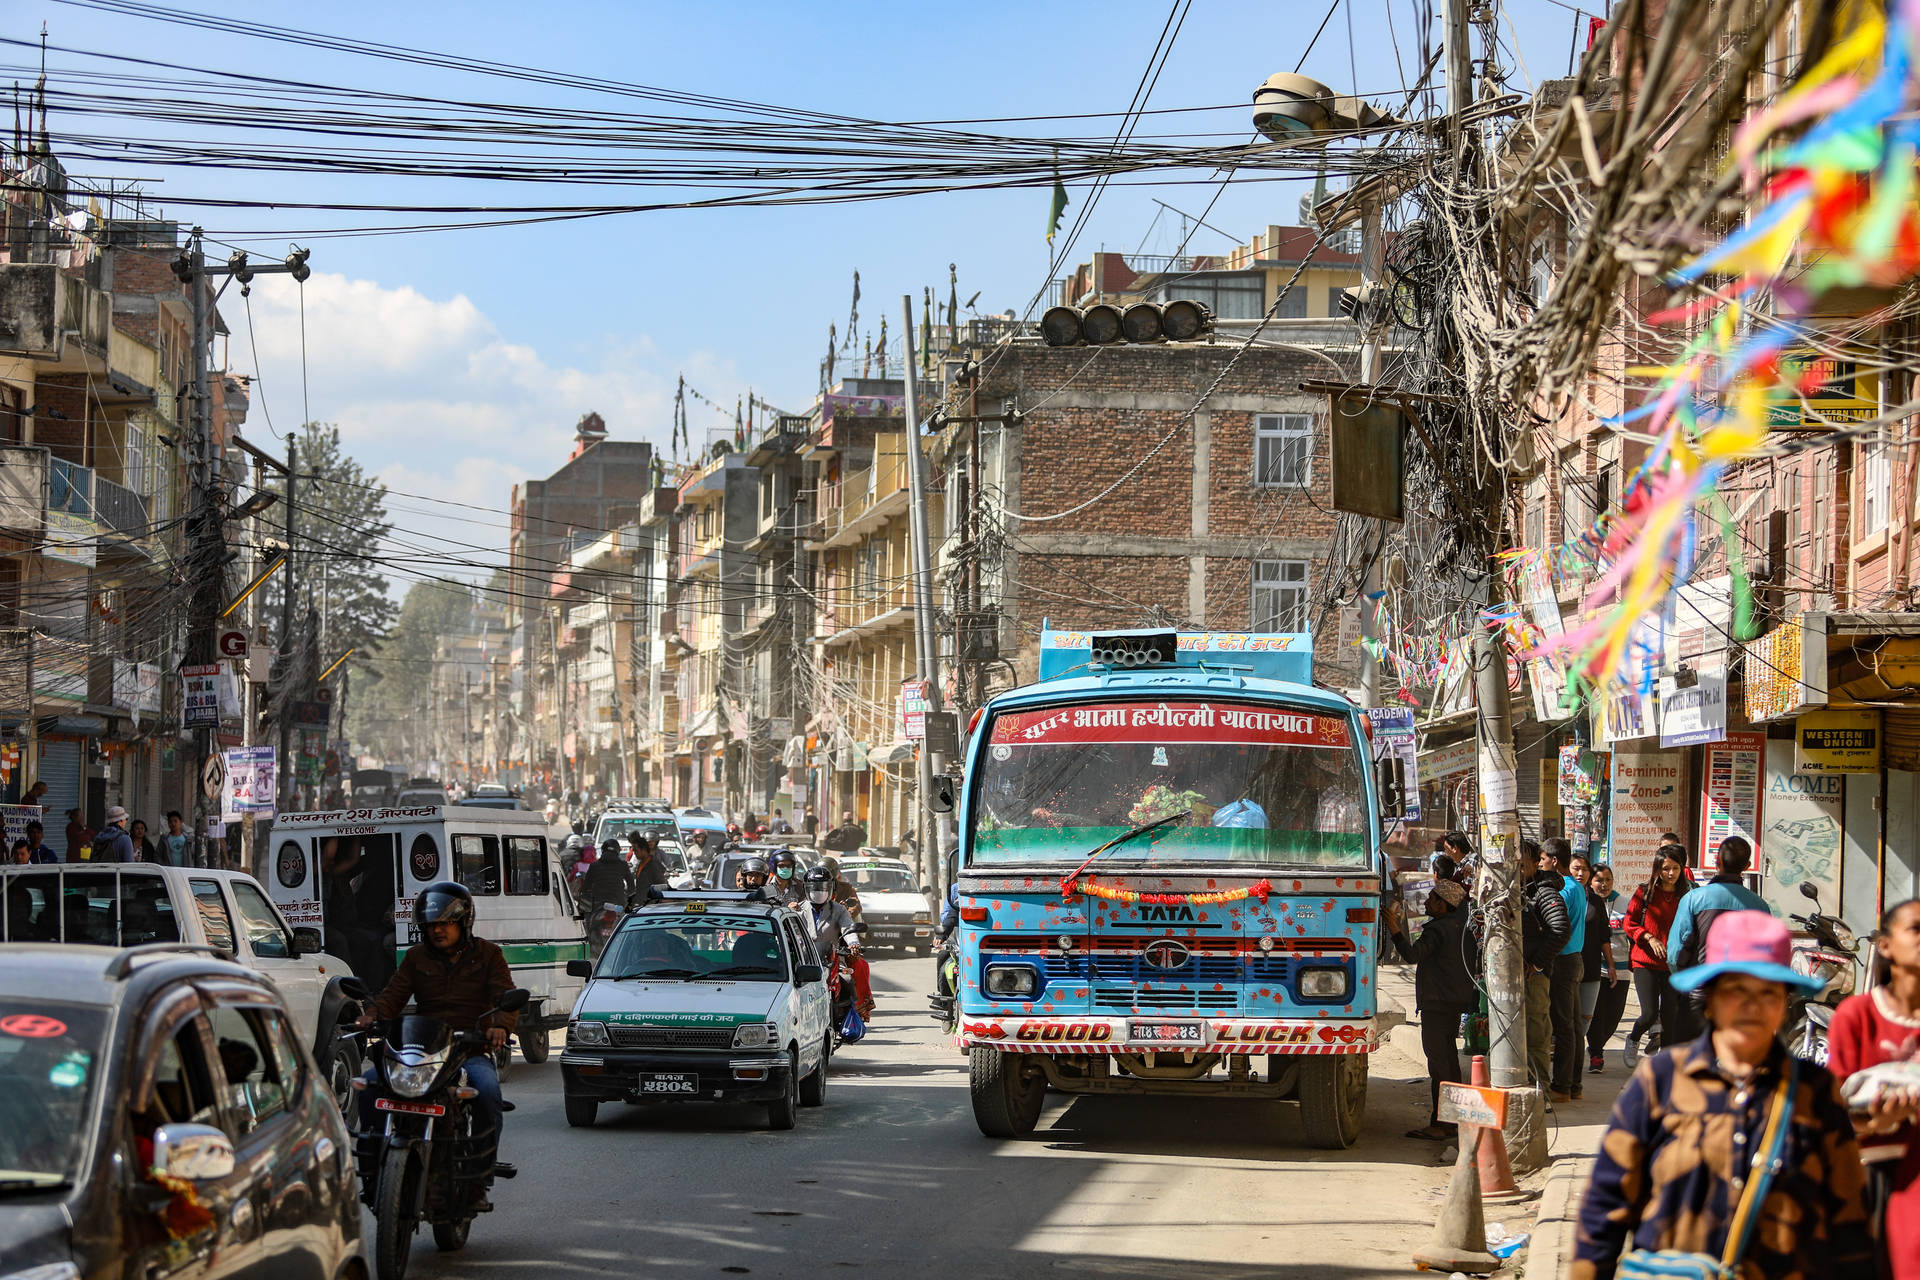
(805, 975)
(940, 798)
(515, 1000)
(579, 968)
(196, 1152)
(306, 941)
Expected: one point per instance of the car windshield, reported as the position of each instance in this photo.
(1243, 782)
(49, 1054)
(880, 879)
(695, 945)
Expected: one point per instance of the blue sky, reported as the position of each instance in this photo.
(457, 362)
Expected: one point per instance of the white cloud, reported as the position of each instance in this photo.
(431, 397)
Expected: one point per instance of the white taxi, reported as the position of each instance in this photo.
(701, 996)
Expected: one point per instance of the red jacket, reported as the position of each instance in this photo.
(1650, 915)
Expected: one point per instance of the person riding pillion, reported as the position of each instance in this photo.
(457, 977)
(608, 885)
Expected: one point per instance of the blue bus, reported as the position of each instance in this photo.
(1170, 881)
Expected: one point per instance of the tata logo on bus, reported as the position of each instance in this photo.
(1166, 954)
(1168, 915)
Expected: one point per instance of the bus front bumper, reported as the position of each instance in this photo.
(1172, 1033)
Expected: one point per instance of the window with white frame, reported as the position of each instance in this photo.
(1279, 595)
(1876, 487)
(1283, 450)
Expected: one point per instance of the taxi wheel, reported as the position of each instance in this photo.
(581, 1111)
(784, 1111)
(813, 1090)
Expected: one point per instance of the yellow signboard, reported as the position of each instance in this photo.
(1837, 389)
(1837, 741)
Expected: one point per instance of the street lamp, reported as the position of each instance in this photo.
(1291, 108)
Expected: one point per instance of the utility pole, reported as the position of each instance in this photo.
(928, 641)
(1372, 258)
(284, 769)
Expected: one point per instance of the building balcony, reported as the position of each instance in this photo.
(23, 490)
(79, 510)
(47, 315)
(867, 500)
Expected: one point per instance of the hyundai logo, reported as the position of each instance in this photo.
(1166, 954)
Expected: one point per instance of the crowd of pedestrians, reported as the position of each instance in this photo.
(121, 838)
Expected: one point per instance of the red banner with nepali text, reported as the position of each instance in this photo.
(1223, 723)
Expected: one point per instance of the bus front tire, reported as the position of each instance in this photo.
(1333, 1099)
(1008, 1092)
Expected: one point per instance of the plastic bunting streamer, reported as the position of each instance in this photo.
(1834, 208)
(1415, 661)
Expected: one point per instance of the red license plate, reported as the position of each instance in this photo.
(412, 1108)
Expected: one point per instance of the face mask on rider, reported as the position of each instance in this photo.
(818, 897)
(785, 873)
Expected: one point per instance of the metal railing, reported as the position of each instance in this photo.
(70, 488)
(120, 508)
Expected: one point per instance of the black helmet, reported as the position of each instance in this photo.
(818, 876)
(754, 866)
(579, 827)
(610, 847)
(786, 858)
(444, 902)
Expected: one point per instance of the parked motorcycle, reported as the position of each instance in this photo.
(428, 1165)
(1833, 957)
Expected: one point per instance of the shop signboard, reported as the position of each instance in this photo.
(1837, 741)
(1696, 713)
(913, 709)
(1785, 672)
(136, 688)
(1818, 389)
(1730, 794)
(251, 784)
(71, 538)
(1394, 747)
(1444, 762)
(14, 819)
(1626, 713)
(1801, 820)
(1649, 798)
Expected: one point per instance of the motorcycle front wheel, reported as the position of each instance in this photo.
(394, 1220)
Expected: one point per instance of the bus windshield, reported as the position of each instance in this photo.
(1258, 783)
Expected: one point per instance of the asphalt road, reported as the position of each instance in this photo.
(891, 1177)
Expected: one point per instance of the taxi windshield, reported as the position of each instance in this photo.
(49, 1055)
(1244, 782)
(669, 946)
(880, 879)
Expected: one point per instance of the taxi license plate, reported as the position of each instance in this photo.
(1166, 1032)
(669, 1084)
(412, 1108)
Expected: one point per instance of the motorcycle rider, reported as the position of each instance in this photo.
(570, 850)
(943, 992)
(457, 977)
(608, 884)
(786, 877)
(843, 891)
(832, 927)
(752, 877)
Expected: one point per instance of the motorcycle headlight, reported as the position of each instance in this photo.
(588, 1033)
(412, 1076)
(1844, 936)
(753, 1035)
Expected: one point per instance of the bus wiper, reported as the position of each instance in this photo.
(1121, 839)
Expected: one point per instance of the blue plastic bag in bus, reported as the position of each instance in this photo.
(1241, 813)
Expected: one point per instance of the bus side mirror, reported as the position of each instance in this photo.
(1392, 802)
(940, 798)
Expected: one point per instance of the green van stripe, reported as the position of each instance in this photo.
(523, 953)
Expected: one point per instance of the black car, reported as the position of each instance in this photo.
(160, 1116)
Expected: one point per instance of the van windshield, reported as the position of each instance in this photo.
(1256, 783)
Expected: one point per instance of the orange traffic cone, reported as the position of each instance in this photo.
(1496, 1175)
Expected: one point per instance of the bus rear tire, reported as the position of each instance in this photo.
(1008, 1092)
(1333, 1099)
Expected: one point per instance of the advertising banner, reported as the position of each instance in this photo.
(15, 817)
(1394, 747)
(1697, 713)
(252, 782)
(1730, 794)
(1582, 773)
(1837, 741)
(200, 695)
(1649, 799)
(913, 709)
(1800, 826)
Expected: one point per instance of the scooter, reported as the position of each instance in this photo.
(1832, 957)
(428, 1165)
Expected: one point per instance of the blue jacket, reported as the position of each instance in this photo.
(1714, 895)
(1574, 894)
(950, 911)
(113, 844)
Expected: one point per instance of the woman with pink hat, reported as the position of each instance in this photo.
(1728, 1155)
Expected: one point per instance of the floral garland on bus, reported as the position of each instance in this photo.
(1072, 886)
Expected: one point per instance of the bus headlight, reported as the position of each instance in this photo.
(1012, 980)
(1323, 984)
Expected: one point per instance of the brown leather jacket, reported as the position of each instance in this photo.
(457, 988)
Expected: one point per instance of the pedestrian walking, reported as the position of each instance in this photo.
(1569, 971)
(37, 847)
(79, 836)
(1597, 969)
(1445, 958)
(1727, 1151)
(1649, 921)
(1543, 932)
(1611, 1003)
(144, 850)
(176, 838)
(847, 837)
(111, 843)
(1725, 892)
(811, 824)
(1881, 1028)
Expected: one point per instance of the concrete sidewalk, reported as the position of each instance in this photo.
(1574, 1132)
